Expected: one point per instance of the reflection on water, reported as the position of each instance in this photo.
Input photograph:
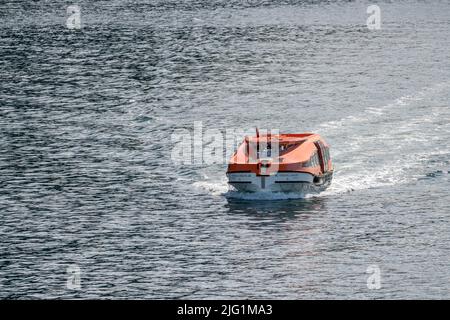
(285, 209)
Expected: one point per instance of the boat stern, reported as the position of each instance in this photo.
(279, 182)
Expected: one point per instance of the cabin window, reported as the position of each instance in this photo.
(316, 160)
(327, 154)
(313, 161)
(288, 147)
(326, 157)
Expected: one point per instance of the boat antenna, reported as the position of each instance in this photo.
(257, 143)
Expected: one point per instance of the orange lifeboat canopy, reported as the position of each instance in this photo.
(284, 159)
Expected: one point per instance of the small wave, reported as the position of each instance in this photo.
(377, 112)
(214, 188)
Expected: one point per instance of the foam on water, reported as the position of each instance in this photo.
(214, 188)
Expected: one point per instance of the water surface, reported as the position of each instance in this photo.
(86, 176)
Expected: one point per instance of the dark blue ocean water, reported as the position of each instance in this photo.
(86, 124)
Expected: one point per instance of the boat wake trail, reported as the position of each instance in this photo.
(391, 144)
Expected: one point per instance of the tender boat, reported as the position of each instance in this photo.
(298, 162)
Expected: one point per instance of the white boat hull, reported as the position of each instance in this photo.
(285, 182)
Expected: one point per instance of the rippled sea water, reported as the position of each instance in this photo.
(87, 118)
